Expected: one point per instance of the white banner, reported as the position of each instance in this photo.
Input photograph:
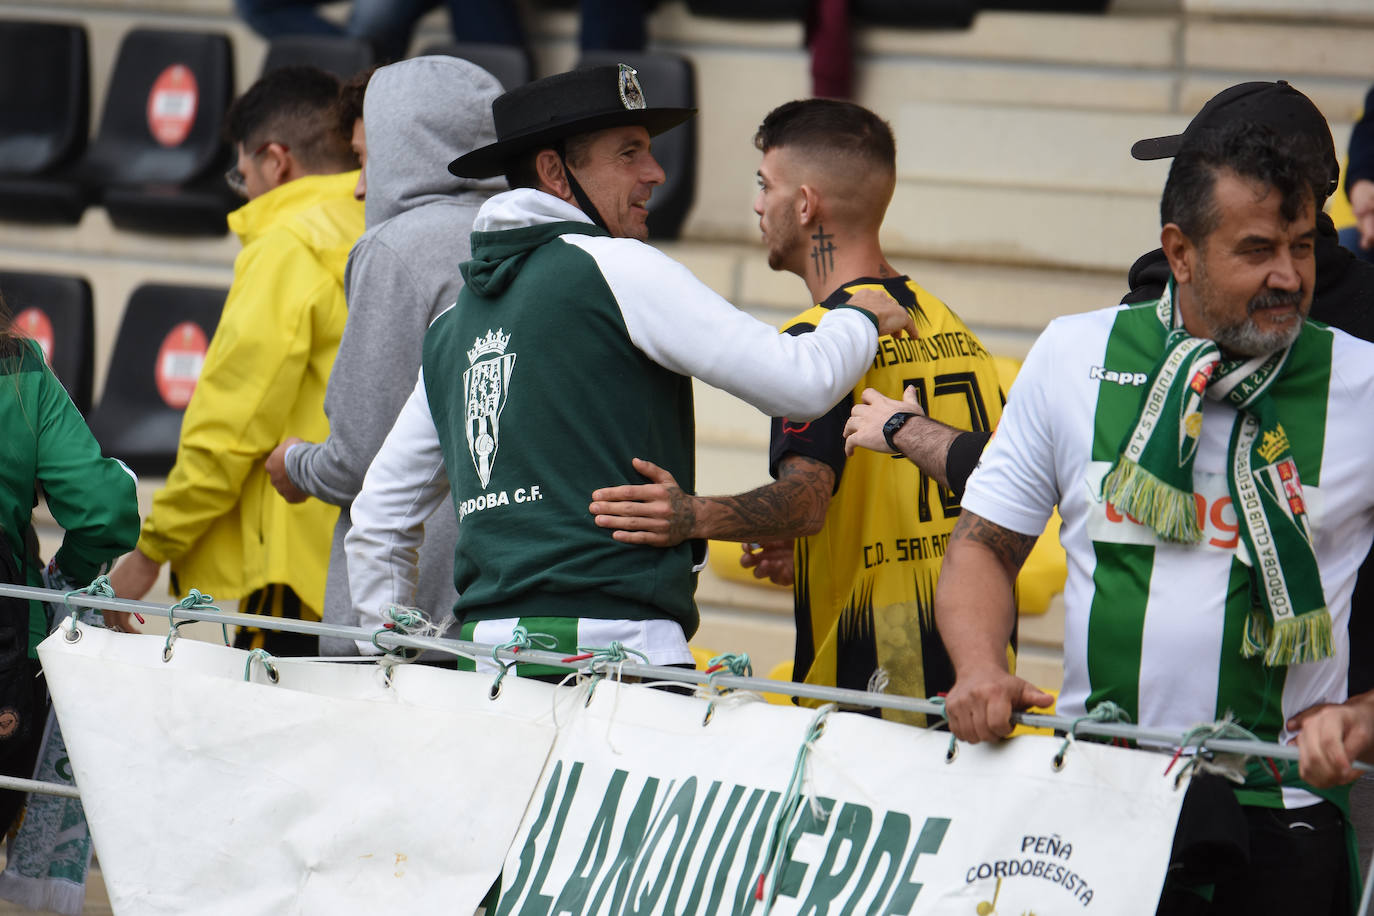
(333, 792)
(329, 792)
(643, 810)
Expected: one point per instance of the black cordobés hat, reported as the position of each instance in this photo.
(1277, 104)
(541, 113)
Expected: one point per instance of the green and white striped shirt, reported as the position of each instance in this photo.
(1153, 626)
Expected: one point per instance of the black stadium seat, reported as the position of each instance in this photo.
(927, 14)
(57, 311)
(510, 65)
(751, 9)
(668, 81)
(157, 359)
(1047, 6)
(340, 55)
(158, 159)
(44, 120)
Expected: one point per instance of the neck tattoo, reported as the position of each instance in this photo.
(823, 252)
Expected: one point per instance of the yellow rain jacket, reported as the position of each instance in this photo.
(218, 520)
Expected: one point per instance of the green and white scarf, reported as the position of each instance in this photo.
(1152, 480)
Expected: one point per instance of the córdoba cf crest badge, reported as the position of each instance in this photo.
(485, 386)
(631, 96)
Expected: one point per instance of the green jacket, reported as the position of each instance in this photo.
(46, 446)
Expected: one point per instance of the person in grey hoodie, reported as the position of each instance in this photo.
(401, 274)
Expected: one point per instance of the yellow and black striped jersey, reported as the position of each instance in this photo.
(865, 585)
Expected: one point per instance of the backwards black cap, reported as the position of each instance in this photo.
(1277, 104)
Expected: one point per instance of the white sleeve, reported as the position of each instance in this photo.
(683, 325)
(1015, 484)
(404, 484)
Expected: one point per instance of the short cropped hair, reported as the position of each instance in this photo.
(829, 126)
(298, 108)
(521, 171)
(1289, 163)
(351, 96)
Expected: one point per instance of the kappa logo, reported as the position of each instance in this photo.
(486, 383)
(1100, 374)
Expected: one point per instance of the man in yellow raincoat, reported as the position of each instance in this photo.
(218, 521)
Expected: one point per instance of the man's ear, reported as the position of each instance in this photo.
(808, 205)
(1180, 251)
(279, 165)
(553, 178)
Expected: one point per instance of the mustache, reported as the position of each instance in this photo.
(1275, 298)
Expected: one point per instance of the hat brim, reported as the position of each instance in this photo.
(492, 160)
(1157, 147)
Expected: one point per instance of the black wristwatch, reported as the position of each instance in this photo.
(894, 423)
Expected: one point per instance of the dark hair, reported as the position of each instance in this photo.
(1289, 163)
(351, 95)
(297, 107)
(829, 126)
(521, 172)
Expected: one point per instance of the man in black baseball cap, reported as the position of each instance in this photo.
(1345, 286)
(569, 353)
(1343, 297)
(1276, 104)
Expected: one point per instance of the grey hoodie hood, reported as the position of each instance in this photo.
(419, 115)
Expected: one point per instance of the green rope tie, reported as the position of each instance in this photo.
(260, 655)
(1106, 711)
(935, 722)
(788, 806)
(736, 663)
(196, 601)
(1199, 735)
(405, 621)
(520, 638)
(613, 654)
(99, 587)
(600, 658)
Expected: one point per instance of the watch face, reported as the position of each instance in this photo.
(894, 423)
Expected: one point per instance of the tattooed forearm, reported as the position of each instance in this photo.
(792, 506)
(1010, 547)
(682, 515)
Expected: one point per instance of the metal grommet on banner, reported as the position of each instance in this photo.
(496, 687)
(1106, 711)
(710, 714)
(72, 634)
(261, 655)
(172, 634)
(953, 750)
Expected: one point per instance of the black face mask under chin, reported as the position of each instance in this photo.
(578, 194)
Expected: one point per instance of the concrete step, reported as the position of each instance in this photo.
(1355, 10)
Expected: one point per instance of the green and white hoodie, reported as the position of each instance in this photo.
(568, 354)
(1156, 627)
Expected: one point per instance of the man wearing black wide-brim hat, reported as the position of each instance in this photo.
(569, 353)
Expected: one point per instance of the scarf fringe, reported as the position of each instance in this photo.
(1168, 510)
(1304, 638)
